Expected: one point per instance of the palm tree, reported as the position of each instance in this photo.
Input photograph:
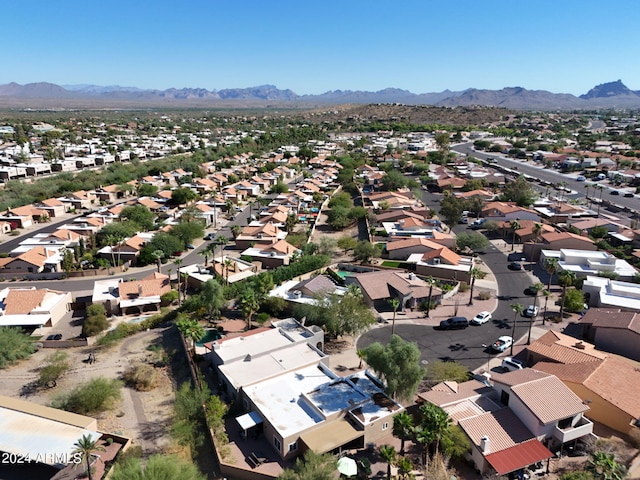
(190, 329)
(537, 288)
(423, 437)
(546, 294)
(404, 467)
(566, 278)
(517, 310)
(235, 230)
(551, 266)
(85, 446)
(430, 281)
(515, 225)
(178, 262)
(601, 188)
(249, 304)
(604, 466)
(221, 241)
(537, 231)
(474, 273)
(227, 265)
(388, 454)
(362, 354)
(403, 428)
(436, 421)
(158, 255)
(395, 303)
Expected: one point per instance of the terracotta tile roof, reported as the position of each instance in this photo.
(23, 302)
(411, 242)
(281, 246)
(612, 318)
(25, 211)
(65, 234)
(519, 456)
(503, 428)
(268, 230)
(143, 288)
(317, 284)
(617, 380)
(569, 372)
(561, 348)
(35, 256)
(548, 398)
(52, 202)
(447, 393)
(95, 221)
(150, 204)
(555, 236)
(378, 285)
(136, 242)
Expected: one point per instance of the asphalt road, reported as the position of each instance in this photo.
(553, 176)
(466, 346)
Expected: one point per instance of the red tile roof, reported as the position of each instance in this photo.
(518, 456)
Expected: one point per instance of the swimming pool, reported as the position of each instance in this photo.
(138, 319)
(209, 336)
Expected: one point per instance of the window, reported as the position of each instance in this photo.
(245, 402)
(293, 447)
(385, 425)
(276, 443)
(504, 398)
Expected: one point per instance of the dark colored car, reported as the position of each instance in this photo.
(55, 336)
(614, 192)
(628, 195)
(515, 266)
(454, 323)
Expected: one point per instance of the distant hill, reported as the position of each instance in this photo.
(608, 90)
(607, 95)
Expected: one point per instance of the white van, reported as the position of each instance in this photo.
(601, 176)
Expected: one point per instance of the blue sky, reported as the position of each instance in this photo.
(565, 46)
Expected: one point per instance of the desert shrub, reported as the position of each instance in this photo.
(464, 287)
(96, 395)
(94, 325)
(55, 368)
(141, 377)
(484, 295)
(262, 317)
(95, 309)
(169, 297)
(274, 306)
(14, 345)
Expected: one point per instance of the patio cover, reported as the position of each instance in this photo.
(518, 456)
(331, 435)
(249, 420)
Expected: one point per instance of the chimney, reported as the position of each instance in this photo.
(485, 444)
(139, 290)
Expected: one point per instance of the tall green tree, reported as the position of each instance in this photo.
(398, 365)
(474, 273)
(139, 214)
(519, 191)
(551, 266)
(451, 208)
(567, 278)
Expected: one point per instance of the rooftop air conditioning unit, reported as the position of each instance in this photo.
(436, 261)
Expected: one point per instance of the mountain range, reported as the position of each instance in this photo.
(607, 95)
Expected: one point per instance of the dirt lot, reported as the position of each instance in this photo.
(142, 416)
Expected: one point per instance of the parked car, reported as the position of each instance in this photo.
(614, 192)
(581, 178)
(601, 176)
(190, 246)
(454, 323)
(210, 236)
(510, 364)
(502, 343)
(515, 266)
(628, 195)
(531, 311)
(482, 317)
